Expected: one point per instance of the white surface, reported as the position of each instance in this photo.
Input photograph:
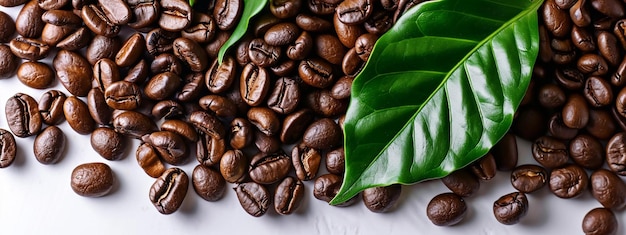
(37, 199)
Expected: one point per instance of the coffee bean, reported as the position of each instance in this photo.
(28, 48)
(168, 191)
(570, 78)
(615, 156)
(208, 183)
(598, 92)
(586, 151)
(144, 12)
(175, 15)
(202, 29)
(133, 124)
(254, 84)
(322, 7)
(550, 152)
(92, 179)
(49, 145)
(115, 10)
(511, 208)
(282, 34)
(354, 11)
(8, 26)
(575, 112)
(220, 77)
(162, 86)
(35, 74)
(108, 143)
(51, 107)
(301, 47)
(131, 51)
(241, 133)
(160, 41)
(103, 47)
(105, 72)
(528, 178)
(381, 199)
(316, 72)
(379, 23)
(323, 134)
(218, 105)
(262, 54)
(76, 40)
(241, 52)
(461, 182)
(77, 115)
(285, 96)
(9, 63)
(268, 168)
(210, 149)
(7, 144)
(192, 88)
(52, 34)
(169, 145)
(182, 128)
(552, 96)
(207, 124)
(265, 120)
(98, 22)
(600, 221)
(557, 128)
(294, 125)
(446, 209)
(485, 167)
(253, 197)
(312, 23)
(569, 181)
(347, 34)
(601, 124)
(167, 109)
(191, 53)
(73, 71)
(326, 187)
(227, 13)
(288, 196)
(608, 189)
(213, 48)
(306, 161)
(284, 9)
(23, 115)
(335, 161)
(98, 108)
(28, 23)
(234, 166)
(123, 95)
(265, 143)
(149, 161)
(592, 64)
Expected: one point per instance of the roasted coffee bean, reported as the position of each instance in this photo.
(218, 105)
(77, 115)
(213, 47)
(167, 109)
(601, 125)
(98, 108)
(202, 29)
(6, 23)
(294, 125)
(208, 183)
(462, 182)
(22, 115)
(51, 107)
(570, 78)
(583, 39)
(123, 95)
(176, 15)
(268, 168)
(10, 63)
(550, 152)
(557, 128)
(285, 96)
(116, 10)
(241, 52)
(485, 168)
(76, 40)
(316, 72)
(608, 189)
(312, 23)
(28, 23)
(105, 72)
(511, 208)
(166, 62)
(306, 162)
(52, 34)
(530, 123)
(322, 103)
(326, 187)
(148, 159)
(49, 145)
(133, 124)
(284, 9)
(73, 71)
(192, 88)
(253, 197)
(144, 12)
(288, 196)
(575, 113)
(545, 53)
(210, 149)
(335, 161)
(579, 13)
(262, 23)
(265, 120)
(379, 23)
(446, 209)
(505, 152)
(618, 78)
(616, 154)
(98, 21)
(7, 144)
(381, 199)
(159, 41)
(169, 190)
(586, 151)
(234, 166)
(263, 54)
(364, 45)
(552, 96)
(528, 178)
(191, 53)
(162, 86)
(131, 51)
(342, 88)
(329, 47)
(182, 128)
(609, 48)
(12, 3)
(220, 77)
(282, 34)
(265, 143)
(598, 92)
(592, 64)
(28, 48)
(301, 48)
(103, 47)
(227, 13)
(322, 7)
(600, 221)
(170, 146)
(207, 124)
(241, 133)
(569, 181)
(108, 143)
(323, 134)
(284, 68)
(347, 34)
(92, 179)
(35, 74)
(354, 11)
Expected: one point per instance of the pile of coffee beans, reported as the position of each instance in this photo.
(266, 118)
(574, 113)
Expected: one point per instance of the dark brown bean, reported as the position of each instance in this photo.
(234, 166)
(306, 161)
(608, 189)
(382, 199)
(169, 190)
(7, 144)
(268, 168)
(254, 198)
(133, 124)
(92, 179)
(23, 115)
(49, 145)
(73, 71)
(600, 221)
(511, 208)
(108, 143)
(149, 160)
(208, 183)
(288, 196)
(446, 209)
(569, 181)
(462, 182)
(528, 178)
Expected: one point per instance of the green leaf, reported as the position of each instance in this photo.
(250, 9)
(439, 90)
(191, 2)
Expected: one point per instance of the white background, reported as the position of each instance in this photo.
(37, 199)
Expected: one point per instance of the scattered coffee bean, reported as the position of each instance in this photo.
(92, 179)
(511, 208)
(446, 209)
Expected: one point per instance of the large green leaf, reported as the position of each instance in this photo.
(439, 90)
(250, 9)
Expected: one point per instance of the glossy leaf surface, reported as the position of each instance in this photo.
(439, 90)
(250, 9)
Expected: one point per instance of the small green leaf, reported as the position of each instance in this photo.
(191, 2)
(440, 89)
(250, 9)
